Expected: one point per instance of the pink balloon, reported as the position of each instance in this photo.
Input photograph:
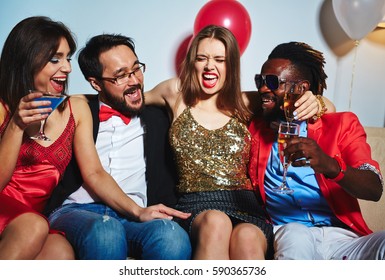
(227, 13)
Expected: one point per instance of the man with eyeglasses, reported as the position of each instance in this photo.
(131, 141)
(331, 167)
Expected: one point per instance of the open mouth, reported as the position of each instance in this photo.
(209, 80)
(268, 98)
(58, 84)
(132, 89)
(268, 101)
(134, 93)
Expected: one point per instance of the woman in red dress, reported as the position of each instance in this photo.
(35, 56)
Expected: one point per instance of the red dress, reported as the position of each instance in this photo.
(37, 172)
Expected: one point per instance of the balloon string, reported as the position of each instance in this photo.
(357, 42)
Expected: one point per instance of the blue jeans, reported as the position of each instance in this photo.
(97, 232)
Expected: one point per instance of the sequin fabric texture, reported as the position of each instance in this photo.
(210, 160)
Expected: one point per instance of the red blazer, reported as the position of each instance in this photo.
(343, 135)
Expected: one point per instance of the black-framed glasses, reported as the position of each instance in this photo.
(125, 78)
(271, 81)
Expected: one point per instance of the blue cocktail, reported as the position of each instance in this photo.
(56, 99)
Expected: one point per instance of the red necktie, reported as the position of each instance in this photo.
(106, 112)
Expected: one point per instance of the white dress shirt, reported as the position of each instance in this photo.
(121, 152)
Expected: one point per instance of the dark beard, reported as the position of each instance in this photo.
(119, 103)
(276, 112)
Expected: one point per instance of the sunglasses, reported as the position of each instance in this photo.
(271, 81)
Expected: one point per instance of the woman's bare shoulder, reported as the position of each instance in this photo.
(79, 105)
(79, 96)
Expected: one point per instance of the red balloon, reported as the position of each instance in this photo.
(181, 53)
(227, 13)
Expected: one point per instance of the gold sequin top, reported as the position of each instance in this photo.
(210, 160)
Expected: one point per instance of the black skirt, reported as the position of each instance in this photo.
(241, 206)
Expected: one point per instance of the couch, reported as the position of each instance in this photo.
(374, 212)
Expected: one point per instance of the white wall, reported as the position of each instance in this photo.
(160, 26)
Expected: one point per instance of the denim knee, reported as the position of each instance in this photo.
(93, 236)
(105, 239)
(168, 241)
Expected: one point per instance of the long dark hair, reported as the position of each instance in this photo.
(28, 48)
(230, 96)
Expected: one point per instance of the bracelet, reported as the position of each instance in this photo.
(342, 165)
(323, 108)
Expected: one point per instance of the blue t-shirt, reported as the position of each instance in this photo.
(306, 205)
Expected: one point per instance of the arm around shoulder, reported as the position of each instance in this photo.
(328, 106)
(162, 93)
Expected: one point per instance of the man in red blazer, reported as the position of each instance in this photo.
(331, 168)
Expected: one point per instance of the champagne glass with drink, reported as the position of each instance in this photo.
(286, 131)
(56, 99)
(293, 91)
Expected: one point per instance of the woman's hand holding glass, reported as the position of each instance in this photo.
(36, 107)
(54, 99)
(30, 111)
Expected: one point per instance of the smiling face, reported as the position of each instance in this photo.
(127, 98)
(54, 74)
(272, 101)
(210, 65)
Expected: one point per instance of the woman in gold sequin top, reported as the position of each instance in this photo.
(211, 142)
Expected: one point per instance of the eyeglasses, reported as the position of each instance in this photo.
(125, 78)
(271, 81)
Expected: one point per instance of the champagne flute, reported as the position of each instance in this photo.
(56, 99)
(286, 131)
(293, 91)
